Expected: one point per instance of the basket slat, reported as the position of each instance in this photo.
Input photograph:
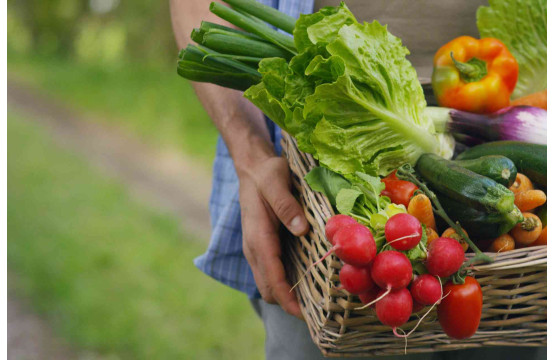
(514, 288)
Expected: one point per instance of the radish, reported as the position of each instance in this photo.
(354, 244)
(403, 231)
(335, 223)
(445, 257)
(355, 280)
(369, 296)
(391, 270)
(426, 289)
(394, 309)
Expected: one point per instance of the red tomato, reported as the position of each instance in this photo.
(459, 313)
(391, 176)
(399, 191)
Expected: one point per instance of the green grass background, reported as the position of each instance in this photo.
(112, 275)
(152, 102)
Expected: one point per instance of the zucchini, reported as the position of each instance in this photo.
(496, 167)
(542, 214)
(465, 186)
(529, 159)
(480, 225)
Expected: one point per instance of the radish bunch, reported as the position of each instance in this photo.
(354, 244)
(385, 280)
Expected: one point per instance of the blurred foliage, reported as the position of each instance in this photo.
(151, 102)
(115, 59)
(105, 31)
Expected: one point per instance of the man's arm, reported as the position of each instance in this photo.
(264, 179)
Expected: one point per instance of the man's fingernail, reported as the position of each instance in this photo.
(296, 225)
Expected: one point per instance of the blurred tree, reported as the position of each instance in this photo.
(107, 30)
(52, 24)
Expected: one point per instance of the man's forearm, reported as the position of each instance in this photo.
(241, 124)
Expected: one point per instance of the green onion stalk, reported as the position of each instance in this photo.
(229, 57)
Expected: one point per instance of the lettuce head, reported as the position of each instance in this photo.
(350, 97)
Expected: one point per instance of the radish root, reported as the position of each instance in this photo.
(422, 318)
(375, 300)
(311, 266)
(398, 239)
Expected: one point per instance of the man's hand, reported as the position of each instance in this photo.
(265, 194)
(266, 201)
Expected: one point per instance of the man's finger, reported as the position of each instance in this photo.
(274, 272)
(256, 223)
(278, 195)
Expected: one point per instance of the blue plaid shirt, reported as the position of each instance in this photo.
(224, 259)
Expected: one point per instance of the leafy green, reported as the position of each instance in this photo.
(522, 26)
(346, 200)
(418, 253)
(359, 198)
(350, 97)
(327, 182)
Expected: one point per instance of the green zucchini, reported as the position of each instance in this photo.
(542, 214)
(480, 225)
(465, 186)
(529, 159)
(496, 167)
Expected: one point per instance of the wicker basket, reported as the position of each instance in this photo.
(514, 289)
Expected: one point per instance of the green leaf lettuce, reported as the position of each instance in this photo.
(350, 97)
(522, 26)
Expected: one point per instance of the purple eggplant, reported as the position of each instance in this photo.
(521, 123)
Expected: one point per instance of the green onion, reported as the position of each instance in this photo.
(198, 63)
(213, 59)
(266, 13)
(197, 35)
(198, 72)
(251, 25)
(206, 26)
(248, 59)
(236, 45)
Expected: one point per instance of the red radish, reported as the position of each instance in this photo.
(445, 257)
(335, 223)
(392, 270)
(394, 309)
(355, 280)
(403, 231)
(369, 296)
(354, 244)
(426, 289)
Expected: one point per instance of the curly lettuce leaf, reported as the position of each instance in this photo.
(522, 26)
(350, 97)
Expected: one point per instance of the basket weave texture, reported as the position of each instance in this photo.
(514, 290)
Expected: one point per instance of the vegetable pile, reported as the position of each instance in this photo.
(349, 96)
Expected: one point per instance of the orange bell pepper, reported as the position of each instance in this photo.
(474, 75)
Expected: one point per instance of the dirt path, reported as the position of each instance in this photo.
(168, 181)
(31, 338)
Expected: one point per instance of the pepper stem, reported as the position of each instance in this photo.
(472, 70)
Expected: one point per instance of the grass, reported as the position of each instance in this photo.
(112, 275)
(152, 102)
